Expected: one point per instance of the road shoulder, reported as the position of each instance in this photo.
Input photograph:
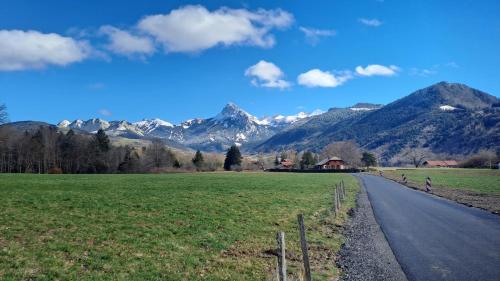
(366, 255)
(483, 201)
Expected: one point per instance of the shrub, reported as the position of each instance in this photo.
(55, 170)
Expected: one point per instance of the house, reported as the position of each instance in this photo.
(331, 163)
(286, 164)
(441, 164)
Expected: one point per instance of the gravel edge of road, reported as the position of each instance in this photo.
(366, 254)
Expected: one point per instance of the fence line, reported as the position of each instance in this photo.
(339, 195)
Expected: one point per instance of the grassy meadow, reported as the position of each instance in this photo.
(478, 180)
(204, 226)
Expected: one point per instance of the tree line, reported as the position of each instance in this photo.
(48, 150)
(348, 151)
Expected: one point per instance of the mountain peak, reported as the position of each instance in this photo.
(455, 95)
(231, 107)
(231, 110)
(63, 124)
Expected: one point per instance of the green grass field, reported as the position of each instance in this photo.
(206, 226)
(479, 180)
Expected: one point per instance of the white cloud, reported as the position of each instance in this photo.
(105, 112)
(194, 28)
(319, 78)
(313, 35)
(377, 70)
(267, 74)
(125, 43)
(21, 50)
(370, 22)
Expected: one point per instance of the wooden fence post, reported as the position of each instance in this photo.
(341, 191)
(280, 238)
(339, 204)
(303, 245)
(334, 201)
(343, 188)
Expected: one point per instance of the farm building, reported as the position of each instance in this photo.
(441, 164)
(286, 164)
(331, 163)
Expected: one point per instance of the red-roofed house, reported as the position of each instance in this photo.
(286, 164)
(331, 163)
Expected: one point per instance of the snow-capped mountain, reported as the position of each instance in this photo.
(232, 125)
(91, 125)
(280, 120)
(149, 125)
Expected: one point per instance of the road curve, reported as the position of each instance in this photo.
(434, 238)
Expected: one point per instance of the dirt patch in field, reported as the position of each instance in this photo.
(489, 202)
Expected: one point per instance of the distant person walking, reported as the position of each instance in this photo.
(428, 184)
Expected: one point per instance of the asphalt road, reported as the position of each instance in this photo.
(434, 238)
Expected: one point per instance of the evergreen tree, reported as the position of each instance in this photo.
(233, 158)
(102, 141)
(307, 160)
(368, 159)
(316, 158)
(198, 160)
(130, 163)
(100, 146)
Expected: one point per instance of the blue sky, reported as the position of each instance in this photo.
(177, 60)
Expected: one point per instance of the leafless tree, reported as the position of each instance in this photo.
(158, 156)
(261, 162)
(482, 159)
(347, 150)
(415, 155)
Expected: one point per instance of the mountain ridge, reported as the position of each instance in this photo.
(232, 125)
(417, 120)
(444, 118)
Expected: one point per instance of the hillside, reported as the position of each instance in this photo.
(445, 118)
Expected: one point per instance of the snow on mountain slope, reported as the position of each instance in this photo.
(148, 125)
(230, 126)
(278, 120)
(91, 125)
(447, 108)
(63, 124)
